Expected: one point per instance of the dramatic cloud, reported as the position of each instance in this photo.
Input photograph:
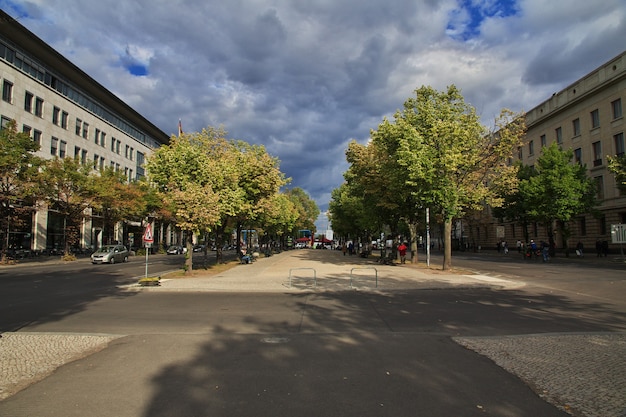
(304, 78)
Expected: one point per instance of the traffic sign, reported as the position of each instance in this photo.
(147, 234)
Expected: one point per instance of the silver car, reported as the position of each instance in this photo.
(110, 254)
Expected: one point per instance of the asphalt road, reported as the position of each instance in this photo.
(304, 353)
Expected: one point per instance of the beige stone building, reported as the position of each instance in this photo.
(70, 115)
(587, 116)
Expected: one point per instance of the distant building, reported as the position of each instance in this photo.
(587, 117)
(70, 115)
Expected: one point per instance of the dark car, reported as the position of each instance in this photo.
(176, 250)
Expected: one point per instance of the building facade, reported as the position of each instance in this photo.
(69, 115)
(586, 117)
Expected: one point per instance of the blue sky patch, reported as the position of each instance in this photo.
(137, 69)
(465, 22)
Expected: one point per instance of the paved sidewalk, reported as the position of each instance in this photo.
(323, 270)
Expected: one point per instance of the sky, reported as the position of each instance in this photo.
(305, 77)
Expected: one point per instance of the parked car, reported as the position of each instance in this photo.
(176, 250)
(199, 248)
(110, 254)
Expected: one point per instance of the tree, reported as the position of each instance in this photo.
(67, 186)
(18, 173)
(617, 165)
(116, 199)
(306, 207)
(558, 190)
(452, 162)
(188, 177)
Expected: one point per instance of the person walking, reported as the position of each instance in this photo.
(402, 251)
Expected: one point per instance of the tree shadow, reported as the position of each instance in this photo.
(350, 353)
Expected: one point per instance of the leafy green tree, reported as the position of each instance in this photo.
(18, 177)
(558, 190)
(67, 186)
(452, 162)
(617, 165)
(515, 206)
(116, 199)
(189, 179)
(306, 208)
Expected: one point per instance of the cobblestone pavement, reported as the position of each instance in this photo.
(26, 358)
(583, 374)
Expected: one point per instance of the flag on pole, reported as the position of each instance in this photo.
(180, 128)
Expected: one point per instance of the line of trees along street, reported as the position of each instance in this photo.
(200, 182)
(434, 153)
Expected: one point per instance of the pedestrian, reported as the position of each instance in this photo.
(351, 248)
(344, 248)
(519, 246)
(505, 246)
(579, 249)
(598, 248)
(402, 251)
(545, 251)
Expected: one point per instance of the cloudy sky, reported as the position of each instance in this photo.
(304, 77)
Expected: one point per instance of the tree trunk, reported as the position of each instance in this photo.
(189, 254)
(447, 244)
(414, 251)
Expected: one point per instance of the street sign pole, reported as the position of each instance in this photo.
(148, 238)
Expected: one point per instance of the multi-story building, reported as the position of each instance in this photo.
(68, 114)
(586, 117)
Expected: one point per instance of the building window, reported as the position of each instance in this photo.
(576, 126)
(578, 156)
(64, 117)
(96, 158)
(597, 153)
(616, 106)
(76, 152)
(56, 112)
(79, 126)
(595, 119)
(83, 157)
(113, 140)
(543, 141)
(619, 143)
(599, 187)
(54, 145)
(4, 122)
(559, 135)
(62, 148)
(27, 129)
(126, 152)
(7, 91)
(97, 136)
(531, 148)
(117, 147)
(37, 136)
(85, 130)
(28, 102)
(103, 137)
(39, 107)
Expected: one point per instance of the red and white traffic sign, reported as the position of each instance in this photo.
(148, 237)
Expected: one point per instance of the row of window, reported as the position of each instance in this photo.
(35, 105)
(618, 145)
(36, 71)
